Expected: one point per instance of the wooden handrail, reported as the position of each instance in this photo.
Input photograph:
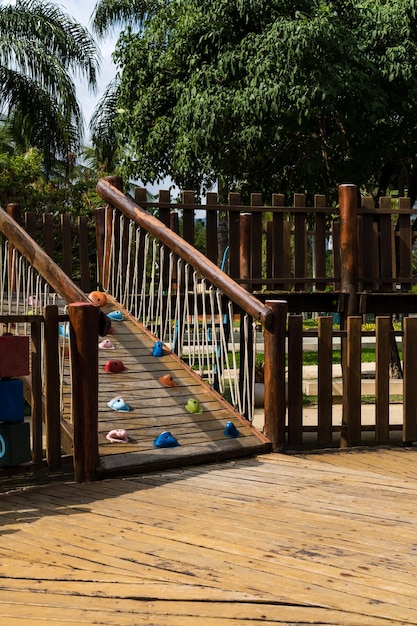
(186, 251)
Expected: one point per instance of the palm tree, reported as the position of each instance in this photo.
(109, 15)
(41, 49)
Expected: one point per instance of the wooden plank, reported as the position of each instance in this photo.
(409, 390)
(405, 245)
(66, 232)
(319, 242)
(233, 215)
(85, 281)
(366, 245)
(35, 385)
(257, 235)
(383, 325)
(351, 427)
(52, 387)
(300, 242)
(211, 227)
(278, 248)
(386, 247)
(325, 381)
(173, 547)
(295, 380)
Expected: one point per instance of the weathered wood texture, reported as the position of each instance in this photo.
(266, 540)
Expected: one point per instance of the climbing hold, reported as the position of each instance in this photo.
(98, 298)
(118, 404)
(114, 367)
(165, 440)
(158, 350)
(117, 436)
(64, 330)
(33, 301)
(167, 380)
(106, 344)
(116, 315)
(193, 406)
(231, 430)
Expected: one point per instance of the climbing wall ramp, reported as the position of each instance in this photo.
(155, 399)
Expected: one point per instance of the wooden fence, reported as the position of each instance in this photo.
(272, 248)
(352, 430)
(297, 248)
(70, 242)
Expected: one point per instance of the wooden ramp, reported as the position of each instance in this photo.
(156, 408)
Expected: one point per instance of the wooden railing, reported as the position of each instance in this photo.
(271, 315)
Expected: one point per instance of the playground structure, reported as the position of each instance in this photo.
(206, 318)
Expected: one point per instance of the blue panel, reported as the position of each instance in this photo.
(11, 401)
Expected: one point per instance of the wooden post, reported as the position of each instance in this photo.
(409, 393)
(274, 401)
(84, 331)
(349, 254)
(52, 399)
(348, 202)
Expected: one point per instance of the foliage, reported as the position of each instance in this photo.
(41, 49)
(267, 95)
(22, 182)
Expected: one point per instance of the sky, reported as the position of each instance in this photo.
(81, 11)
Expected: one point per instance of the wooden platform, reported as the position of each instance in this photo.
(156, 408)
(309, 539)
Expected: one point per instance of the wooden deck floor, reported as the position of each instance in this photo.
(276, 539)
(156, 408)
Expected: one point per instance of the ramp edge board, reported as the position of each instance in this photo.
(168, 458)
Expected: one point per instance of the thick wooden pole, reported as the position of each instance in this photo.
(84, 332)
(274, 401)
(348, 202)
(349, 255)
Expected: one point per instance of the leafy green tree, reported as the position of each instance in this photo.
(268, 95)
(41, 49)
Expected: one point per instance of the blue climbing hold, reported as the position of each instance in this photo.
(118, 404)
(116, 315)
(165, 440)
(231, 430)
(64, 330)
(158, 349)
